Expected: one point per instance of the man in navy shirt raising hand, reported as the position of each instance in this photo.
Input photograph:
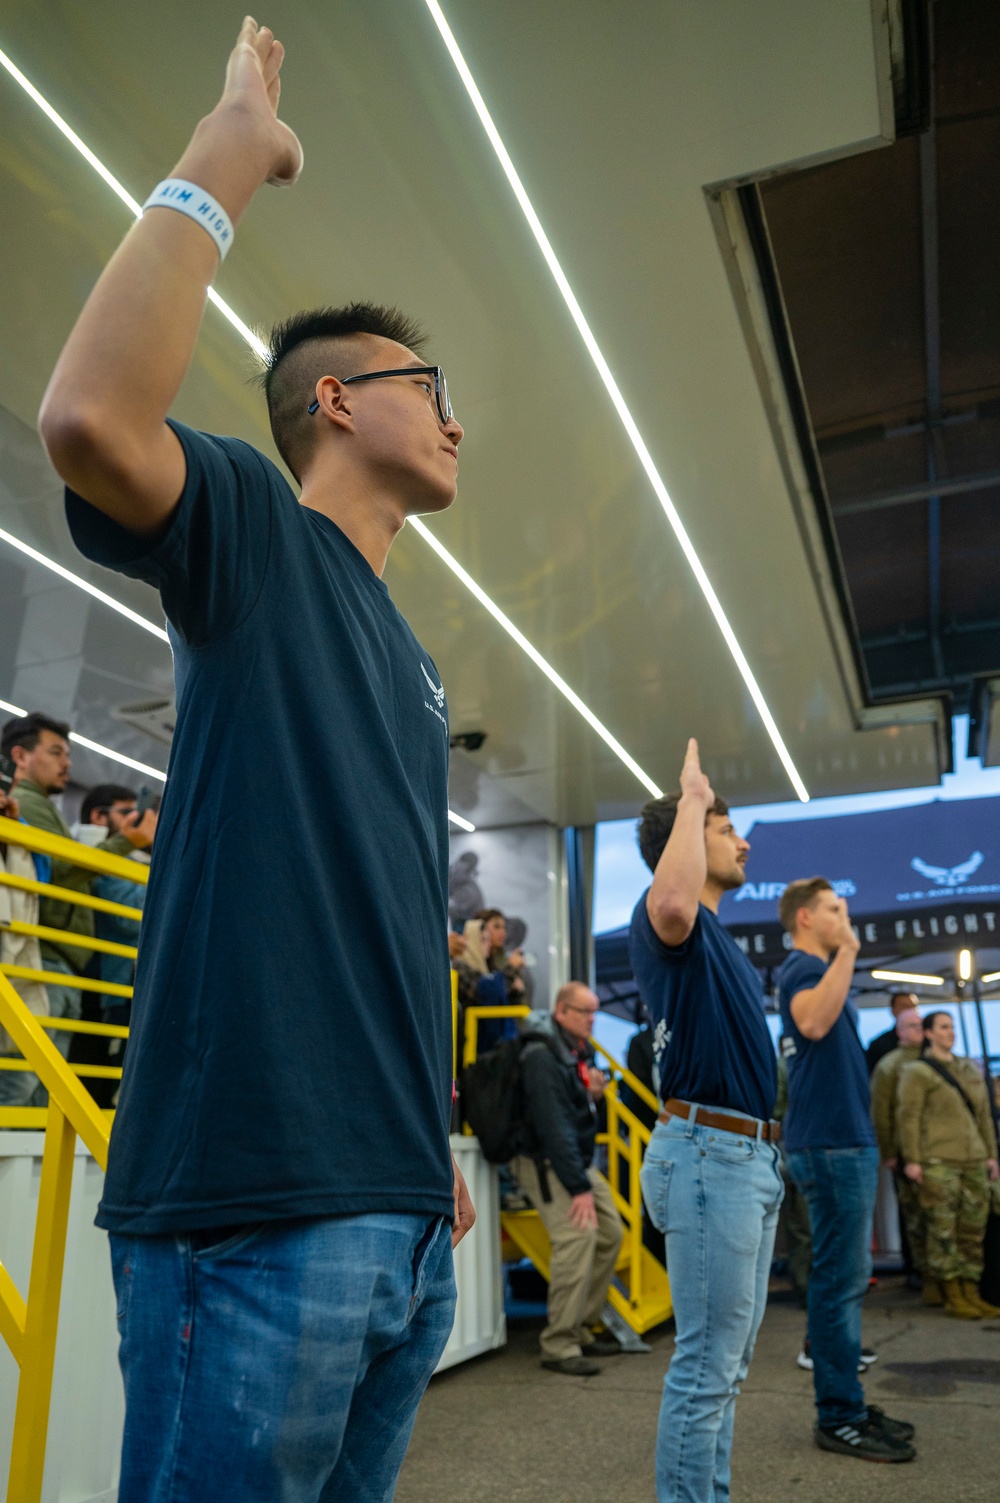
(831, 1152)
(281, 1197)
(710, 1178)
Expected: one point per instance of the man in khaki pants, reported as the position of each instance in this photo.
(573, 1200)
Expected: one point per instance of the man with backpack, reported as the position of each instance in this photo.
(556, 1173)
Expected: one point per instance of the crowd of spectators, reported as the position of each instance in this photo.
(39, 749)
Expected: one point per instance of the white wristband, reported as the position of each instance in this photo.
(188, 198)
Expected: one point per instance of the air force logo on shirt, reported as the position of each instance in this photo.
(437, 695)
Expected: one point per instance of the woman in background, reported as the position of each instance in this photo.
(949, 1147)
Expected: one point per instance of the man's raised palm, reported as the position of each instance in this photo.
(254, 86)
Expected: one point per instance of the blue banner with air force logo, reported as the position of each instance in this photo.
(916, 879)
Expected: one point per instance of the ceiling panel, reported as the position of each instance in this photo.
(617, 131)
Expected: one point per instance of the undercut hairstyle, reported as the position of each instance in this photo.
(656, 820)
(26, 731)
(102, 797)
(800, 894)
(322, 342)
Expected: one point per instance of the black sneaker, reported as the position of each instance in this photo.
(572, 1367)
(603, 1345)
(864, 1439)
(900, 1429)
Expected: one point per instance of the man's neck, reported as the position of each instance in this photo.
(370, 516)
(711, 895)
(810, 945)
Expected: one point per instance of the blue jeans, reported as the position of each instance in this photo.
(839, 1186)
(281, 1364)
(716, 1197)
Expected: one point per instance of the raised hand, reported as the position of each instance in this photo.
(253, 87)
(694, 783)
(845, 936)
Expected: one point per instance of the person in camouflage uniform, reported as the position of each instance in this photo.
(885, 1085)
(949, 1147)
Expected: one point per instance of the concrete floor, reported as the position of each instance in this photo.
(501, 1430)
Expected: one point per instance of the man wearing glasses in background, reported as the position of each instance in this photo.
(561, 1089)
(280, 1193)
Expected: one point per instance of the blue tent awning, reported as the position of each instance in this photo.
(917, 879)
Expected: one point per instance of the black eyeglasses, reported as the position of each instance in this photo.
(441, 396)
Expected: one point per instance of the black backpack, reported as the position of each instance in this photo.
(493, 1102)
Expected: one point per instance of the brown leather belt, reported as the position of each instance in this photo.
(747, 1127)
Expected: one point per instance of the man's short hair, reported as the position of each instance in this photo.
(484, 915)
(656, 820)
(566, 993)
(26, 731)
(800, 894)
(308, 346)
(102, 797)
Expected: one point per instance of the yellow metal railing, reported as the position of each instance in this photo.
(28, 1325)
(644, 1300)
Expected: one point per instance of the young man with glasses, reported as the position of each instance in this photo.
(572, 1198)
(710, 1178)
(280, 1194)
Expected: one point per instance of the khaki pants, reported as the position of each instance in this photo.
(582, 1262)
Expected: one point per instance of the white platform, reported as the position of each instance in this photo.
(87, 1401)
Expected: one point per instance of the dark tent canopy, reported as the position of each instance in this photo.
(919, 879)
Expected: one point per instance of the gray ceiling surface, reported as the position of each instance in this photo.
(617, 131)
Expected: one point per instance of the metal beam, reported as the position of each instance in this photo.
(932, 349)
(904, 494)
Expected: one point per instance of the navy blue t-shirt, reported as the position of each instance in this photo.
(291, 1050)
(829, 1101)
(711, 1042)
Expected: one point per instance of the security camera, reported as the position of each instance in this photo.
(469, 740)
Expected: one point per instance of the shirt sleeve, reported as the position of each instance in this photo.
(644, 935)
(210, 563)
(800, 973)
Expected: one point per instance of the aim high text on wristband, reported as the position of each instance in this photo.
(189, 199)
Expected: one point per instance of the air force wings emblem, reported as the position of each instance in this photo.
(949, 876)
(438, 690)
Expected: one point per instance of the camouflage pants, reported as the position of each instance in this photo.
(955, 1200)
(914, 1221)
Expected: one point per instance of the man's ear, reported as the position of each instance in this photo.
(335, 402)
(19, 757)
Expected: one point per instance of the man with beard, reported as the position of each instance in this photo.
(710, 1179)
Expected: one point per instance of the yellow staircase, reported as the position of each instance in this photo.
(641, 1293)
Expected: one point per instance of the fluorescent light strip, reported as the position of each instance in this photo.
(907, 976)
(83, 584)
(95, 746)
(534, 655)
(993, 976)
(611, 385)
(463, 824)
(255, 343)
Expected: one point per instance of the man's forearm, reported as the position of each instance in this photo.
(103, 416)
(816, 1010)
(133, 342)
(681, 871)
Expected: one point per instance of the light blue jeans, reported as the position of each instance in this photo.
(281, 1364)
(716, 1197)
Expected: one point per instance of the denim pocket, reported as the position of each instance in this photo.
(655, 1180)
(727, 1148)
(237, 1239)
